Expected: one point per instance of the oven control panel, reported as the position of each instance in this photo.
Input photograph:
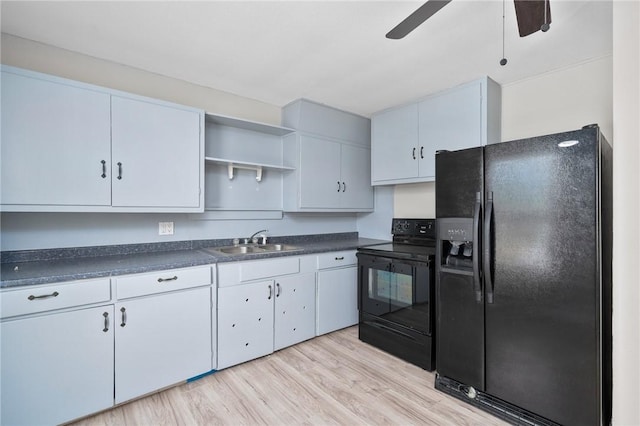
(414, 227)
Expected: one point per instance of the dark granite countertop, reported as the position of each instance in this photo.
(34, 267)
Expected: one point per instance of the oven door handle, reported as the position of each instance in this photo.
(477, 286)
(359, 282)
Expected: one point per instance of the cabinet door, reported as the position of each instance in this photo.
(449, 121)
(55, 138)
(394, 144)
(58, 367)
(161, 340)
(245, 322)
(156, 155)
(320, 183)
(295, 309)
(357, 192)
(337, 302)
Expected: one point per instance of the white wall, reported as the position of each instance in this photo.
(415, 200)
(558, 101)
(626, 213)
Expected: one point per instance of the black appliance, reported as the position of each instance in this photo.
(524, 278)
(396, 292)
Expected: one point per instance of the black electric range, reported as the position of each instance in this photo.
(396, 285)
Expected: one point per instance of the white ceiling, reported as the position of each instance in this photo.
(334, 52)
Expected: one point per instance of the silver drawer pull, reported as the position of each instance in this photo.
(173, 278)
(44, 296)
(106, 321)
(124, 317)
(340, 258)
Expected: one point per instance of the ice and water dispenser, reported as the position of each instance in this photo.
(457, 252)
(457, 243)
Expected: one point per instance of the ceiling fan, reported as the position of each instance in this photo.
(532, 15)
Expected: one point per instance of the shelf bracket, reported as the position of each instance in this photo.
(257, 169)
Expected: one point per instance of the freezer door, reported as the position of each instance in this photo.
(543, 288)
(459, 303)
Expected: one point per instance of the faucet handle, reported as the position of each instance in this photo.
(236, 241)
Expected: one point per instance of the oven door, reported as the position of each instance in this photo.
(396, 290)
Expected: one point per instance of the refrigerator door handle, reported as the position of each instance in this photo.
(487, 248)
(477, 287)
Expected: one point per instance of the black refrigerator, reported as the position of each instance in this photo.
(523, 278)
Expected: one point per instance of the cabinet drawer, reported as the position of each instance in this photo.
(56, 296)
(337, 259)
(162, 281)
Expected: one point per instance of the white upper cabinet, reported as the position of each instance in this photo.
(355, 177)
(406, 138)
(394, 135)
(320, 181)
(331, 155)
(56, 147)
(69, 146)
(156, 155)
(450, 121)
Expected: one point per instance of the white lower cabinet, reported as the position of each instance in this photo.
(56, 367)
(245, 322)
(161, 340)
(337, 298)
(264, 305)
(163, 329)
(68, 351)
(295, 306)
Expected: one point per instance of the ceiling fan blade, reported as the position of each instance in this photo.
(412, 21)
(531, 16)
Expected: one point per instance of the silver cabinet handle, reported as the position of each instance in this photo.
(340, 258)
(270, 292)
(124, 317)
(413, 154)
(338, 186)
(344, 186)
(106, 321)
(44, 296)
(277, 289)
(119, 170)
(104, 169)
(173, 278)
(421, 152)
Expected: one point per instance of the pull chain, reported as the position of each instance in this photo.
(545, 26)
(503, 61)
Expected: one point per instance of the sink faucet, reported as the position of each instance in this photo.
(253, 237)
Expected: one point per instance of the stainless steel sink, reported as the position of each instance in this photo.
(279, 247)
(252, 249)
(240, 250)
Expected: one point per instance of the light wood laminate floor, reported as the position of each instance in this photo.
(331, 380)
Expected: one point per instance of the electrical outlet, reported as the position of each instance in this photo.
(165, 228)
